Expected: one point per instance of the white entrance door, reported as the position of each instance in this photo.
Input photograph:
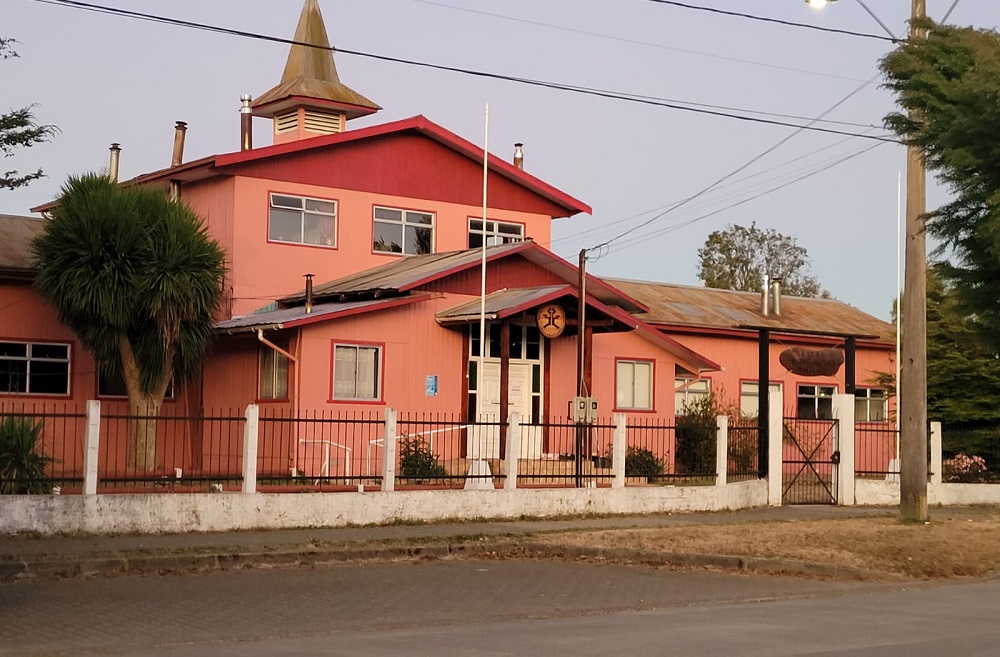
(484, 441)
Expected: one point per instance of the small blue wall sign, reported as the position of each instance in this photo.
(431, 385)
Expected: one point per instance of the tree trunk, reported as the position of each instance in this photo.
(142, 457)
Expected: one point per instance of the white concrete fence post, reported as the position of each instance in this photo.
(618, 441)
(91, 447)
(775, 447)
(251, 432)
(721, 450)
(936, 457)
(389, 452)
(513, 450)
(843, 412)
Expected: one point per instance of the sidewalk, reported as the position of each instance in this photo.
(67, 556)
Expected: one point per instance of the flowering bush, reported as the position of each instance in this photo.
(964, 468)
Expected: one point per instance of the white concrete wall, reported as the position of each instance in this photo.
(886, 493)
(197, 512)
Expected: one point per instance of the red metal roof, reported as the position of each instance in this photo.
(16, 235)
(297, 316)
(228, 163)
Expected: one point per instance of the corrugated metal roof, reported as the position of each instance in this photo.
(409, 272)
(502, 300)
(16, 234)
(682, 305)
(288, 317)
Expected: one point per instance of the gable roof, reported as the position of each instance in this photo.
(227, 164)
(310, 73)
(505, 303)
(16, 234)
(291, 317)
(408, 273)
(682, 306)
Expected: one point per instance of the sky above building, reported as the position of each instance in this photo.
(103, 78)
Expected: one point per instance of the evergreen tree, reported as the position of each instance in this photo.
(18, 129)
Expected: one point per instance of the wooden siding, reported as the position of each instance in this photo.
(408, 165)
(509, 273)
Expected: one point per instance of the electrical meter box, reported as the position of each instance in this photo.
(583, 410)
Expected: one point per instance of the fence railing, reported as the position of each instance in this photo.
(744, 450)
(42, 447)
(876, 455)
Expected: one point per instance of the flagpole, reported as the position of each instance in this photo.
(899, 301)
(482, 288)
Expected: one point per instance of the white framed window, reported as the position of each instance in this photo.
(497, 232)
(871, 405)
(113, 385)
(689, 390)
(816, 402)
(402, 231)
(34, 368)
(634, 385)
(272, 374)
(302, 220)
(357, 372)
(749, 397)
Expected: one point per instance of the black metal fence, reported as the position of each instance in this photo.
(560, 453)
(41, 447)
(875, 451)
(661, 452)
(744, 450)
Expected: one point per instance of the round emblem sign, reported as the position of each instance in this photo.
(551, 320)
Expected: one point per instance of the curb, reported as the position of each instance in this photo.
(144, 563)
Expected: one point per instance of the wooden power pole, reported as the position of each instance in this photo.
(913, 374)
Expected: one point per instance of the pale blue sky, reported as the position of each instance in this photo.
(103, 78)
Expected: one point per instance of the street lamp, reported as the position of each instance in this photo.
(912, 386)
(818, 4)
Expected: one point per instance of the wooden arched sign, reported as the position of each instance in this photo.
(811, 362)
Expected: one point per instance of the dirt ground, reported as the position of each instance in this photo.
(965, 544)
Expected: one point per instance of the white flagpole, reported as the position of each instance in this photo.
(482, 290)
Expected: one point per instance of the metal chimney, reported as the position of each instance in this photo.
(116, 151)
(180, 130)
(309, 293)
(518, 156)
(765, 300)
(246, 123)
(776, 296)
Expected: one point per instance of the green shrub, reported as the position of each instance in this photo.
(696, 435)
(417, 460)
(641, 462)
(22, 468)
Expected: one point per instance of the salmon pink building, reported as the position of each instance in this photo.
(354, 284)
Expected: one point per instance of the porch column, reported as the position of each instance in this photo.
(843, 412)
(504, 384)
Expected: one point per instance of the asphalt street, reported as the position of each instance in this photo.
(491, 607)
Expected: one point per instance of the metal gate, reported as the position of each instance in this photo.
(810, 455)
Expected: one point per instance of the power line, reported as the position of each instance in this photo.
(777, 21)
(663, 231)
(740, 168)
(639, 42)
(600, 93)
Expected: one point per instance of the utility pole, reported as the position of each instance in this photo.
(581, 342)
(913, 374)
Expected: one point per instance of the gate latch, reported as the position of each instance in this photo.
(835, 457)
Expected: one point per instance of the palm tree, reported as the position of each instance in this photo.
(138, 279)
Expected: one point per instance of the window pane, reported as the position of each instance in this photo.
(388, 214)
(418, 240)
(13, 375)
(286, 201)
(57, 351)
(285, 225)
(15, 349)
(536, 379)
(807, 408)
(643, 397)
(861, 410)
(345, 372)
(111, 385)
(825, 408)
(387, 237)
(48, 377)
(878, 410)
(510, 229)
(533, 349)
(827, 391)
(419, 218)
(473, 376)
(625, 382)
(494, 348)
(475, 240)
(516, 341)
(367, 373)
(266, 374)
(319, 206)
(474, 332)
(748, 405)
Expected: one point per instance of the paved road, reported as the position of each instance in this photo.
(481, 607)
